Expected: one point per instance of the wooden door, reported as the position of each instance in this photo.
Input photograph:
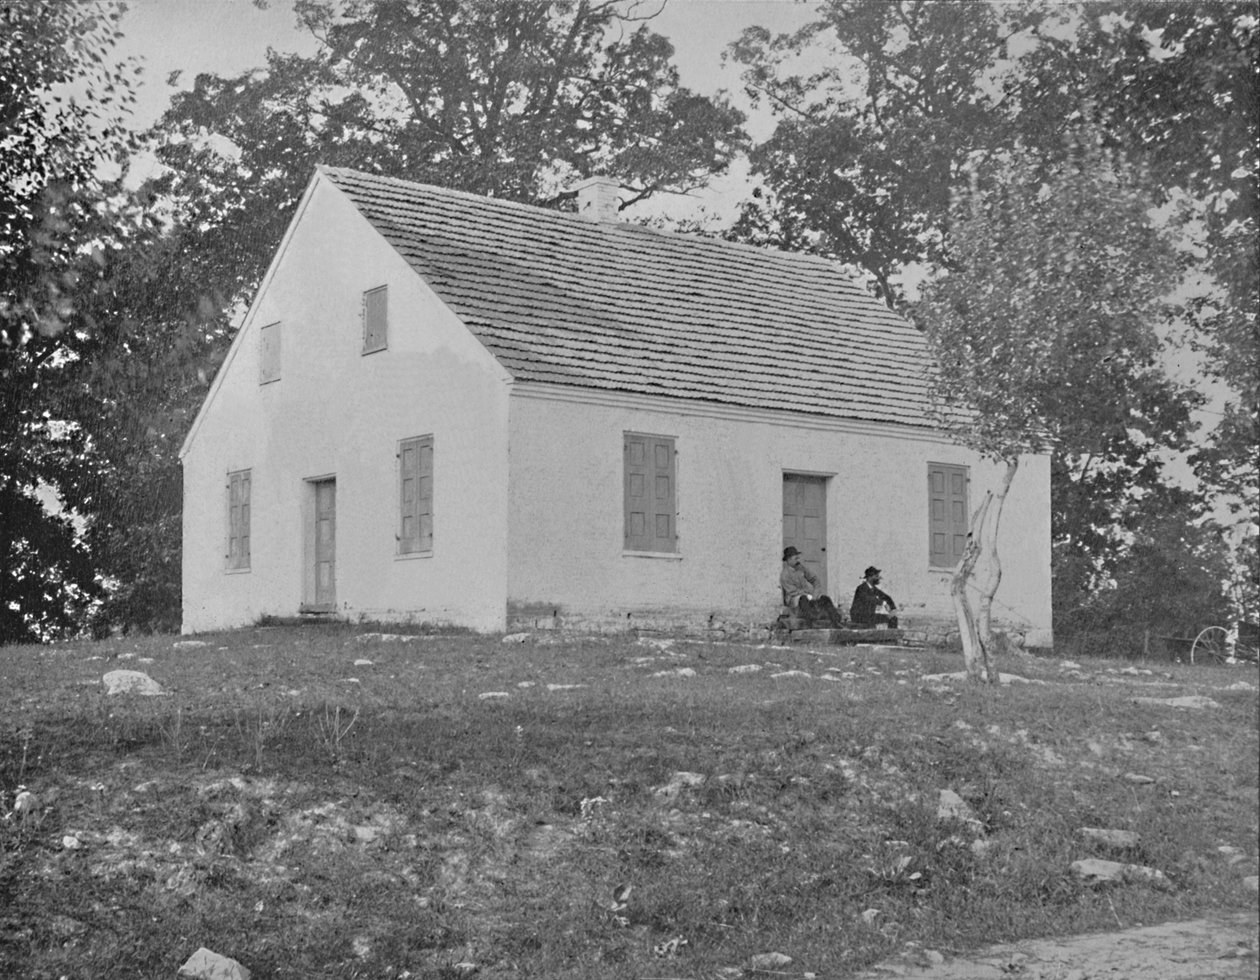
(805, 521)
(325, 550)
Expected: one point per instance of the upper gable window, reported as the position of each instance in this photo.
(269, 353)
(375, 319)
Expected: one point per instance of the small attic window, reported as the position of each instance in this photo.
(269, 353)
(375, 319)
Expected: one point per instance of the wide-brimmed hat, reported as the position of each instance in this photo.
(788, 552)
(871, 570)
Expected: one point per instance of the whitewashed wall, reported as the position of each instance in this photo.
(566, 513)
(336, 412)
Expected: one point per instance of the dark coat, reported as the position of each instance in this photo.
(866, 599)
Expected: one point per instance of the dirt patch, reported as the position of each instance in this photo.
(1201, 949)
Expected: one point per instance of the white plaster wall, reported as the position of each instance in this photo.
(336, 412)
(565, 544)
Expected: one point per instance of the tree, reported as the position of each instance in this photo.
(60, 105)
(1055, 281)
(873, 141)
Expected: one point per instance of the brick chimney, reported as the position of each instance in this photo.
(598, 198)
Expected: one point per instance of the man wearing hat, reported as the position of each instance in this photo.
(798, 584)
(867, 598)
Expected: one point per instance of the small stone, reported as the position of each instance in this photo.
(1096, 871)
(130, 682)
(189, 644)
(933, 957)
(1252, 883)
(954, 807)
(1197, 701)
(769, 961)
(789, 673)
(515, 638)
(492, 695)
(869, 916)
(525, 684)
(1138, 778)
(564, 687)
(465, 968)
(71, 843)
(363, 663)
(206, 965)
(744, 669)
(1112, 838)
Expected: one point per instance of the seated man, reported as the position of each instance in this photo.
(798, 584)
(868, 597)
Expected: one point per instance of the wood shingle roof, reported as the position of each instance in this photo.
(615, 306)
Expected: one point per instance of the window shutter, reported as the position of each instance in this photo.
(415, 475)
(948, 515)
(238, 519)
(375, 319)
(650, 498)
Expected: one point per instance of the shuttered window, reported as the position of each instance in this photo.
(238, 520)
(948, 515)
(375, 319)
(415, 495)
(269, 353)
(650, 493)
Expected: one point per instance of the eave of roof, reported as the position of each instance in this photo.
(615, 306)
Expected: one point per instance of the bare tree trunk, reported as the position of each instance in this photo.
(976, 631)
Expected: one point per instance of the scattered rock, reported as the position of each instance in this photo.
(189, 644)
(954, 807)
(677, 783)
(130, 682)
(363, 663)
(1252, 882)
(515, 638)
(492, 695)
(1096, 871)
(1241, 686)
(789, 673)
(1111, 838)
(744, 669)
(1188, 701)
(564, 687)
(669, 948)
(525, 684)
(466, 968)
(1138, 778)
(660, 643)
(869, 916)
(961, 677)
(205, 965)
(677, 672)
(71, 842)
(768, 961)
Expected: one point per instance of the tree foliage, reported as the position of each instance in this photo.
(1043, 325)
(60, 104)
(885, 110)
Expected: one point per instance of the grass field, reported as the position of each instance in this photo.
(323, 802)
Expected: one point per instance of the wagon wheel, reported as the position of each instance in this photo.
(1210, 646)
